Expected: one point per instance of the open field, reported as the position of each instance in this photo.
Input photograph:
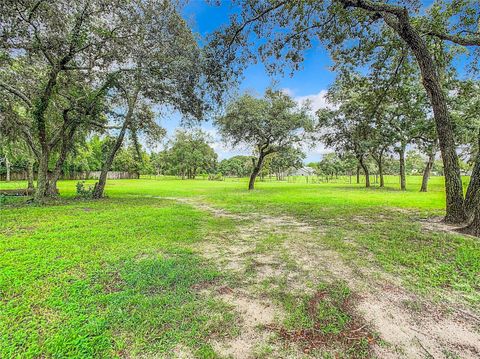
(171, 268)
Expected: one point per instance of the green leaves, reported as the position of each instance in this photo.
(266, 125)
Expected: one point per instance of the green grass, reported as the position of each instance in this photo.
(82, 278)
(95, 278)
(327, 314)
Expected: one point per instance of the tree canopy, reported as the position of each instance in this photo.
(265, 125)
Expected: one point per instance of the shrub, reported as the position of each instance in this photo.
(82, 191)
(215, 177)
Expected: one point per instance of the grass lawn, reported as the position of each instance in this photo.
(78, 279)
(127, 276)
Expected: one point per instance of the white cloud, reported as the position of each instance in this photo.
(223, 150)
(288, 91)
(317, 101)
(314, 153)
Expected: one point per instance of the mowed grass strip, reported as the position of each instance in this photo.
(117, 276)
(377, 225)
(105, 278)
(381, 227)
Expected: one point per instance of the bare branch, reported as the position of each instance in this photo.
(255, 18)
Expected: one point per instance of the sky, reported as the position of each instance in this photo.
(310, 82)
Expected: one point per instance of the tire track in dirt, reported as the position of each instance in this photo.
(433, 331)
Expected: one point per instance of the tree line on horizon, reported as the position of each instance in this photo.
(189, 154)
(113, 67)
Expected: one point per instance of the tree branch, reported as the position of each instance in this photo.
(16, 92)
(29, 21)
(255, 18)
(34, 9)
(467, 40)
(376, 6)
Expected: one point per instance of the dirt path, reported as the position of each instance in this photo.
(409, 326)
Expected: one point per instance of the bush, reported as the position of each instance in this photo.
(215, 177)
(83, 192)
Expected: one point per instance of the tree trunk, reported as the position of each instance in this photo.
(455, 212)
(102, 181)
(379, 160)
(474, 185)
(426, 171)
(100, 185)
(358, 174)
(367, 177)
(30, 175)
(474, 227)
(403, 182)
(256, 170)
(39, 118)
(42, 177)
(52, 189)
(7, 165)
(366, 172)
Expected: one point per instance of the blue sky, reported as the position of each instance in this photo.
(311, 82)
(315, 75)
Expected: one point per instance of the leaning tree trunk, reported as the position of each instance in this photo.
(403, 182)
(455, 212)
(256, 170)
(100, 185)
(102, 181)
(426, 172)
(366, 172)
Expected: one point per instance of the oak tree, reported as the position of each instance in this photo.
(266, 125)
